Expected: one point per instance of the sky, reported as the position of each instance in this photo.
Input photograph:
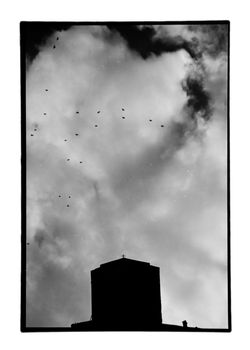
(126, 130)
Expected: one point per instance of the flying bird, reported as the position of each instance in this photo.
(98, 112)
(77, 112)
(123, 117)
(31, 135)
(67, 205)
(35, 129)
(65, 140)
(77, 134)
(68, 159)
(44, 113)
(123, 109)
(80, 162)
(57, 38)
(54, 47)
(46, 90)
(162, 126)
(28, 244)
(150, 120)
(96, 126)
(69, 196)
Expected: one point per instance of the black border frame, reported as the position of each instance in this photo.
(23, 327)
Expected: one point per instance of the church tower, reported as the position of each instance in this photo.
(126, 292)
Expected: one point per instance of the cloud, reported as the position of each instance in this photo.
(144, 40)
(36, 35)
(149, 181)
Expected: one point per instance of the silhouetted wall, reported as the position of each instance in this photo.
(126, 291)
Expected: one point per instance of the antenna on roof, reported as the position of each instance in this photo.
(184, 323)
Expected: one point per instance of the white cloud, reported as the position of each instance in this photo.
(138, 190)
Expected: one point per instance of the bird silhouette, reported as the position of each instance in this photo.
(98, 112)
(59, 196)
(65, 140)
(96, 126)
(67, 205)
(123, 117)
(35, 129)
(123, 109)
(31, 135)
(57, 38)
(44, 113)
(162, 126)
(150, 120)
(77, 112)
(46, 90)
(69, 196)
(54, 47)
(68, 159)
(80, 162)
(77, 134)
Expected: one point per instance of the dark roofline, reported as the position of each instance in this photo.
(122, 259)
(125, 260)
(162, 327)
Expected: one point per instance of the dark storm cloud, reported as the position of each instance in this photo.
(35, 35)
(205, 39)
(199, 100)
(214, 38)
(142, 39)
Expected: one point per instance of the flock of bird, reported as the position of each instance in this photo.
(35, 130)
(77, 134)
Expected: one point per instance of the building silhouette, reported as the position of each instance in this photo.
(125, 296)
